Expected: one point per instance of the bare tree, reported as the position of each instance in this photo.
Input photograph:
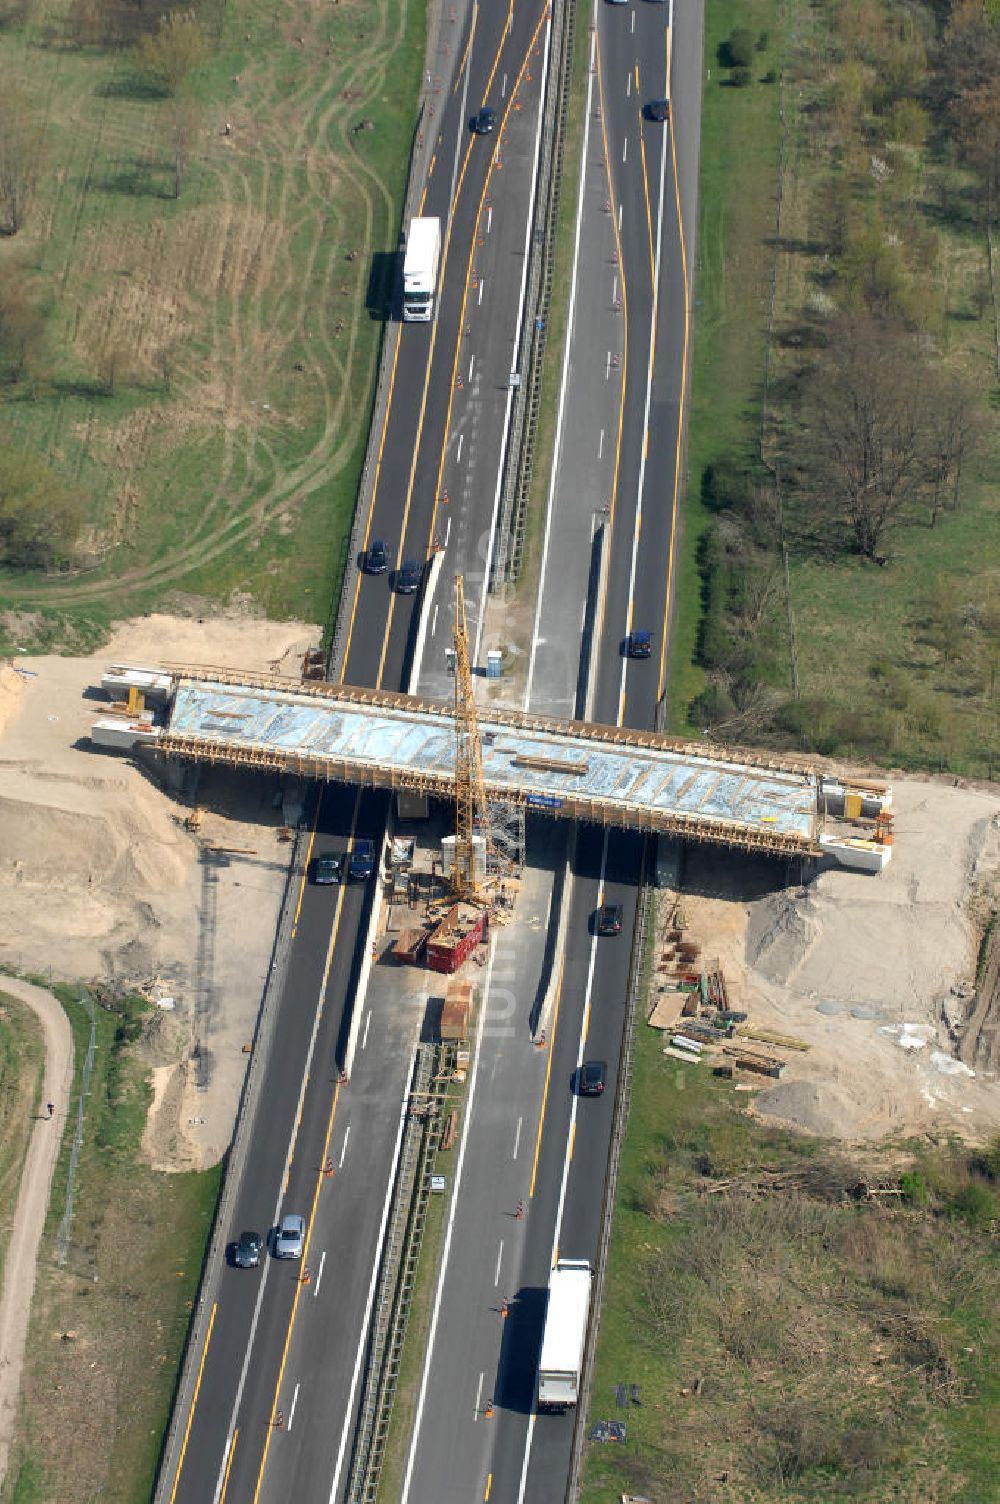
(184, 122)
(868, 413)
(953, 433)
(174, 50)
(20, 158)
(21, 325)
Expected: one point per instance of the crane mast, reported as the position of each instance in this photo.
(471, 809)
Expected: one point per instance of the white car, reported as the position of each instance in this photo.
(289, 1240)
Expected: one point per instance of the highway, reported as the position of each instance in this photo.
(621, 440)
(272, 1347)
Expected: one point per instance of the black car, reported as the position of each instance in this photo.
(658, 109)
(377, 558)
(246, 1250)
(608, 920)
(408, 577)
(326, 870)
(593, 1074)
(485, 123)
(362, 863)
(639, 644)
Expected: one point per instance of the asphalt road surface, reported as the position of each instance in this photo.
(276, 1348)
(476, 1434)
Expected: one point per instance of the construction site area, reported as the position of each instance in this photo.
(110, 874)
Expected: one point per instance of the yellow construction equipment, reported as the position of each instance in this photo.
(471, 809)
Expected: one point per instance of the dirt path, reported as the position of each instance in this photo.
(32, 1199)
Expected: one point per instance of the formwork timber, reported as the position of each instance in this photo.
(611, 776)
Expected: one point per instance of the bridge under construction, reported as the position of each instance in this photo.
(608, 776)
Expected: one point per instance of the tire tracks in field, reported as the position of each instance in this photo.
(236, 512)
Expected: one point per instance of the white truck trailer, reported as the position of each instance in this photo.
(565, 1334)
(421, 263)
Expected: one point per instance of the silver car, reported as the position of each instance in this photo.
(289, 1240)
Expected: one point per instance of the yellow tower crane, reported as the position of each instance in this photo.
(471, 808)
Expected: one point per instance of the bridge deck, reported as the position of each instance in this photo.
(615, 778)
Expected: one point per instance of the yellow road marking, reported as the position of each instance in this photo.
(621, 270)
(194, 1403)
(489, 1485)
(545, 1089)
(371, 512)
(305, 873)
(680, 408)
(229, 1463)
(468, 270)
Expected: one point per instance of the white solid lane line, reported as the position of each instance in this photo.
(517, 1138)
(637, 526)
(343, 1151)
(571, 1136)
(564, 382)
(319, 1275)
(220, 1481)
(363, 1342)
(291, 1413)
(368, 1022)
(496, 1276)
(446, 1251)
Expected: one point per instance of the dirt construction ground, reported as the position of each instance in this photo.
(875, 973)
(101, 880)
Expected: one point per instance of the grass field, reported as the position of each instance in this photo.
(208, 363)
(732, 276)
(108, 1324)
(895, 664)
(790, 1341)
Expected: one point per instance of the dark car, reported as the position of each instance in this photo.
(608, 920)
(246, 1250)
(362, 863)
(377, 558)
(658, 109)
(408, 577)
(485, 123)
(593, 1074)
(326, 869)
(639, 645)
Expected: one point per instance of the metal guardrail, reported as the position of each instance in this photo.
(530, 356)
(421, 1140)
(623, 1101)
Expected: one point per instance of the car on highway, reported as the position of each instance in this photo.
(608, 919)
(639, 645)
(362, 863)
(326, 870)
(290, 1237)
(408, 577)
(592, 1077)
(245, 1252)
(377, 557)
(658, 110)
(484, 123)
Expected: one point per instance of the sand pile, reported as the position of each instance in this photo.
(100, 879)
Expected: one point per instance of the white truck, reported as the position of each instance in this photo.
(421, 262)
(565, 1334)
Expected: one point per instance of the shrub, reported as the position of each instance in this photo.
(914, 1188)
(974, 1205)
(738, 48)
(741, 78)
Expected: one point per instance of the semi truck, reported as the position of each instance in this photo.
(421, 262)
(565, 1334)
